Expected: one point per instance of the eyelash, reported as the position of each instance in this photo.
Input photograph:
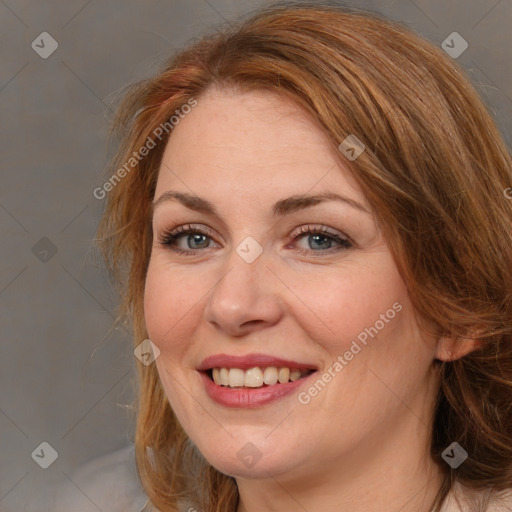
(168, 239)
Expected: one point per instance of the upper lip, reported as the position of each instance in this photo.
(250, 361)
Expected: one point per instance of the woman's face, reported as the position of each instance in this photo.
(273, 280)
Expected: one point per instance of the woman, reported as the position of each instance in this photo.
(307, 215)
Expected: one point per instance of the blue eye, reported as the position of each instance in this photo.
(322, 239)
(196, 238)
(190, 235)
(319, 240)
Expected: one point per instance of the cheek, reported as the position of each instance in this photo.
(342, 305)
(170, 305)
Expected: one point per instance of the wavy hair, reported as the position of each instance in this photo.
(435, 170)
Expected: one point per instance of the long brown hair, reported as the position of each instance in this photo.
(435, 170)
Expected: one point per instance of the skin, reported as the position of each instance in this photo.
(362, 443)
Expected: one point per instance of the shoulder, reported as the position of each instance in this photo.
(109, 483)
(462, 499)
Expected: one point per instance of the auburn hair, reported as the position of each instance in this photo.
(435, 169)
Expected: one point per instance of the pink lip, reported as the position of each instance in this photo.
(250, 397)
(250, 361)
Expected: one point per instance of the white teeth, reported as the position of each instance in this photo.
(295, 375)
(253, 378)
(270, 376)
(223, 377)
(284, 375)
(236, 377)
(256, 377)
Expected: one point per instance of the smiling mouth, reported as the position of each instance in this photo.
(256, 377)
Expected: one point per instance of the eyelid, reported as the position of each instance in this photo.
(189, 226)
(343, 241)
(307, 228)
(186, 228)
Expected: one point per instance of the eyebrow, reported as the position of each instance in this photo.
(280, 208)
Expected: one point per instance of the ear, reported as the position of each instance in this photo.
(449, 349)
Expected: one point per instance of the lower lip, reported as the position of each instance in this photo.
(250, 397)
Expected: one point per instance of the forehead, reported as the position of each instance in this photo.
(251, 142)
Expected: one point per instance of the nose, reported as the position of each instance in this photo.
(245, 298)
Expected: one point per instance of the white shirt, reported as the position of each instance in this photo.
(501, 503)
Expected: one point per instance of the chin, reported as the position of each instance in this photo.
(263, 468)
(251, 456)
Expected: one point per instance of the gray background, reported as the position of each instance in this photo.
(65, 376)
